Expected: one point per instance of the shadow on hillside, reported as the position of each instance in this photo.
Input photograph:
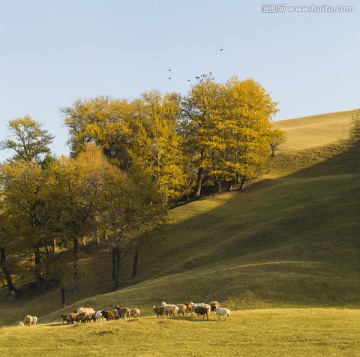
(293, 222)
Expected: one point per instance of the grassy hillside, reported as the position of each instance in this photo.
(290, 240)
(315, 130)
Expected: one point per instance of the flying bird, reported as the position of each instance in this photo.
(221, 49)
(169, 77)
(169, 69)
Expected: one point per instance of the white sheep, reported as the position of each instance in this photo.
(135, 312)
(88, 310)
(98, 315)
(29, 320)
(222, 311)
(182, 309)
(170, 309)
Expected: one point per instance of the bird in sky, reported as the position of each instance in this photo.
(221, 49)
(169, 69)
(169, 77)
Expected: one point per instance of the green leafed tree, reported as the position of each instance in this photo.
(29, 141)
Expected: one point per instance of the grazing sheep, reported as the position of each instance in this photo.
(159, 310)
(89, 310)
(182, 309)
(84, 317)
(109, 315)
(116, 313)
(21, 323)
(214, 305)
(69, 318)
(135, 312)
(222, 311)
(29, 320)
(170, 309)
(98, 315)
(195, 305)
(189, 307)
(64, 317)
(124, 312)
(202, 310)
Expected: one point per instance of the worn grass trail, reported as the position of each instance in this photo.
(267, 332)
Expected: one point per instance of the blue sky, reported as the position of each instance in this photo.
(53, 52)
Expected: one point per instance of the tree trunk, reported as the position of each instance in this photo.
(76, 265)
(242, 183)
(6, 272)
(199, 182)
(63, 296)
(114, 263)
(118, 267)
(39, 280)
(135, 264)
(218, 184)
(54, 246)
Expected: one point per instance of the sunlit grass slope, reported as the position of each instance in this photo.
(315, 130)
(280, 332)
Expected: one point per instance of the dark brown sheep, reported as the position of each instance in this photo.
(214, 305)
(109, 315)
(84, 317)
(69, 318)
(64, 317)
(202, 310)
(159, 310)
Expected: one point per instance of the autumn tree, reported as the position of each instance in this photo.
(100, 120)
(75, 193)
(227, 129)
(6, 246)
(276, 138)
(156, 146)
(29, 141)
(198, 125)
(248, 114)
(24, 190)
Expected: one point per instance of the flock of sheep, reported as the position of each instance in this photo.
(87, 314)
(200, 309)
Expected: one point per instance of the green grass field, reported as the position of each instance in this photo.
(279, 332)
(284, 255)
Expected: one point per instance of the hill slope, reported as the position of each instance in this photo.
(288, 240)
(315, 130)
